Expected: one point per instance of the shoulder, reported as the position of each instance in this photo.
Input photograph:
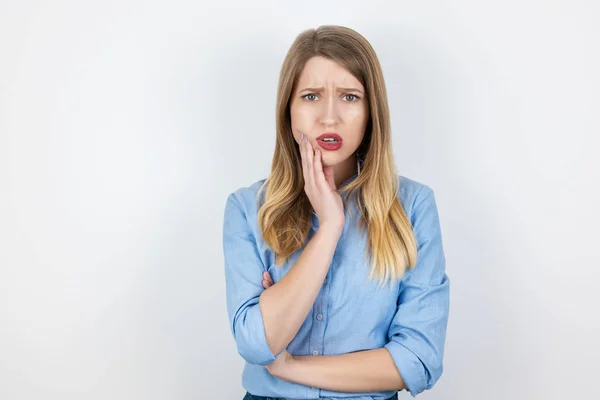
(246, 197)
(412, 193)
(240, 218)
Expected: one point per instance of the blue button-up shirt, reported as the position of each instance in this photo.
(350, 312)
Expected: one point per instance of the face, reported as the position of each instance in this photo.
(329, 99)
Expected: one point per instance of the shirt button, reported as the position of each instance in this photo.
(319, 317)
(315, 352)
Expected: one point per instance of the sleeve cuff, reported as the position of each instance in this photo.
(257, 350)
(410, 367)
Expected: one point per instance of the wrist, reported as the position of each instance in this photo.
(285, 369)
(332, 228)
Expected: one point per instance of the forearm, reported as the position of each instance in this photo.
(363, 371)
(286, 304)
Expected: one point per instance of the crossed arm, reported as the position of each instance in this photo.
(412, 359)
(362, 371)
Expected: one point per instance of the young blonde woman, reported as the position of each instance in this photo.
(335, 271)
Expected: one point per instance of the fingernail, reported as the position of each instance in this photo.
(302, 137)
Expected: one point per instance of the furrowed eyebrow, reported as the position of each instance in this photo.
(320, 89)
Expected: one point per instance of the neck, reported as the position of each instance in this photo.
(344, 170)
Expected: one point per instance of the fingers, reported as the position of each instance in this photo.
(302, 156)
(312, 165)
(267, 277)
(329, 177)
(267, 280)
(309, 156)
(318, 170)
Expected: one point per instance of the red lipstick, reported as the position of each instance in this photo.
(330, 141)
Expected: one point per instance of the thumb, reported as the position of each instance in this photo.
(328, 172)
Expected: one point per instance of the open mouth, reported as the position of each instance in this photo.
(329, 142)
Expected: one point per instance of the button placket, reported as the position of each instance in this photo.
(318, 329)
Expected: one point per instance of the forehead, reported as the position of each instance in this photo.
(320, 71)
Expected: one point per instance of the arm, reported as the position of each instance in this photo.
(263, 322)
(362, 371)
(412, 359)
(417, 333)
(286, 304)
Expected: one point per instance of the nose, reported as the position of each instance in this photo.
(329, 111)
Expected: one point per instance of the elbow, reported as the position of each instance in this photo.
(418, 371)
(434, 372)
(252, 355)
(256, 351)
(250, 337)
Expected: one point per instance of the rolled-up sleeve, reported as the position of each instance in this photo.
(243, 285)
(418, 331)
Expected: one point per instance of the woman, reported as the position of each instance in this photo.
(309, 249)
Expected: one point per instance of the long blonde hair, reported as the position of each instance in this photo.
(285, 216)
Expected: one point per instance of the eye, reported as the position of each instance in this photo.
(306, 95)
(353, 95)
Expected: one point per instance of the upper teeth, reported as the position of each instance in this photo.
(329, 139)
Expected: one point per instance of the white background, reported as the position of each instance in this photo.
(125, 124)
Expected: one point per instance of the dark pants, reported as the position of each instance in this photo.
(249, 396)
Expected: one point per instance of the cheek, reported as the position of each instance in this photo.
(356, 120)
(300, 114)
(355, 115)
